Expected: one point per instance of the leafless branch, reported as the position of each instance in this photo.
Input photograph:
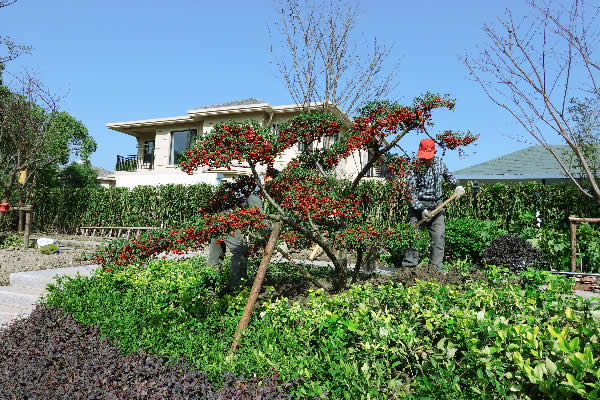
(532, 68)
(321, 61)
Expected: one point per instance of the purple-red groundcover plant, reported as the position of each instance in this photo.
(48, 355)
(313, 204)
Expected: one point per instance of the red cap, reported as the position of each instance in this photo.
(426, 149)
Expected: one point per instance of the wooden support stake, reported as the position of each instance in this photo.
(27, 229)
(573, 243)
(20, 222)
(258, 281)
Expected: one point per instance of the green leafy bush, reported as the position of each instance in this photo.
(466, 238)
(503, 338)
(9, 241)
(403, 237)
(588, 243)
(49, 249)
(557, 247)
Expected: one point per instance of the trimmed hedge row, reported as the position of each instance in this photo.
(515, 206)
(64, 211)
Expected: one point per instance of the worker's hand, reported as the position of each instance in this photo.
(459, 190)
(426, 215)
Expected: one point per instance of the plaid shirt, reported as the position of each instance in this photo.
(426, 185)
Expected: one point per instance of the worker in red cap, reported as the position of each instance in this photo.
(425, 188)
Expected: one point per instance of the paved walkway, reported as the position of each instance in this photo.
(20, 298)
(26, 288)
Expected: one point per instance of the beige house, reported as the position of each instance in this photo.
(162, 141)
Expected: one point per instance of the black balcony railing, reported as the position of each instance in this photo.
(377, 172)
(133, 163)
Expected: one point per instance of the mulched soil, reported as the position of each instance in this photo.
(428, 272)
(75, 251)
(50, 356)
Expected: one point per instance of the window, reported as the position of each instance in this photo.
(275, 128)
(305, 147)
(328, 141)
(180, 142)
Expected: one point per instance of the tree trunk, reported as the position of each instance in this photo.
(359, 258)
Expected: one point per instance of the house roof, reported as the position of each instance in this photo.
(241, 102)
(534, 162)
(250, 105)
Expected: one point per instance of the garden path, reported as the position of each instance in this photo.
(26, 288)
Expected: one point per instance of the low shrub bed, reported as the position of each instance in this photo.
(50, 356)
(496, 338)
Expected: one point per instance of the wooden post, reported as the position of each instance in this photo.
(258, 280)
(27, 228)
(573, 243)
(20, 222)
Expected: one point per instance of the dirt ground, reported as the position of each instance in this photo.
(74, 251)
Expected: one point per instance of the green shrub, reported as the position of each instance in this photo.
(403, 237)
(503, 338)
(466, 238)
(557, 247)
(11, 241)
(588, 243)
(49, 249)
(156, 307)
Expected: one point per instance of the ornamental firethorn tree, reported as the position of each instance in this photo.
(306, 196)
(314, 205)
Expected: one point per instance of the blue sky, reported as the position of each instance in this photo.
(118, 60)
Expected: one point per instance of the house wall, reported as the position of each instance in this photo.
(165, 177)
(163, 173)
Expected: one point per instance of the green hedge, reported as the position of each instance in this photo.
(65, 210)
(513, 206)
(510, 203)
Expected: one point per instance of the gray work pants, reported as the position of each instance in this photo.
(238, 246)
(437, 232)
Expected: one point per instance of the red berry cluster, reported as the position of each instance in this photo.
(178, 241)
(308, 195)
(453, 140)
(228, 142)
(357, 237)
(399, 166)
(295, 240)
(230, 195)
(306, 128)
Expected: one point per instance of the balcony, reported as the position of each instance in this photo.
(133, 163)
(377, 172)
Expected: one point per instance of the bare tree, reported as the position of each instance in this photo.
(321, 59)
(12, 50)
(532, 68)
(585, 114)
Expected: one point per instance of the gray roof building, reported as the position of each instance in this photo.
(533, 163)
